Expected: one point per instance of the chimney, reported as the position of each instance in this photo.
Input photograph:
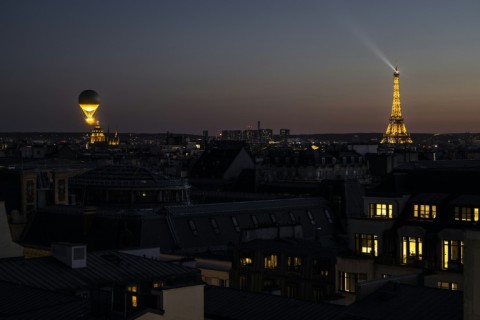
(72, 255)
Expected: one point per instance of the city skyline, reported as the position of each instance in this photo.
(310, 66)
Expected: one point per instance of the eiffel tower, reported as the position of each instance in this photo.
(396, 132)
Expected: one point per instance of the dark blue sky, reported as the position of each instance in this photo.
(185, 66)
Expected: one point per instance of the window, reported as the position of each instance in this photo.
(133, 298)
(242, 281)
(447, 285)
(292, 217)
(466, 214)
(193, 227)
(381, 210)
(214, 224)
(320, 267)
(349, 280)
(246, 259)
(269, 284)
(254, 220)
(366, 244)
(273, 218)
(157, 284)
(235, 224)
(292, 290)
(329, 217)
(271, 261)
(320, 293)
(310, 216)
(294, 264)
(424, 211)
(452, 253)
(412, 249)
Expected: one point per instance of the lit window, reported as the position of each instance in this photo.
(381, 210)
(447, 285)
(246, 261)
(366, 244)
(466, 214)
(235, 224)
(133, 289)
(157, 284)
(424, 211)
(349, 280)
(412, 249)
(271, 261)
(452, 254)
(193, 227)
(294, 264)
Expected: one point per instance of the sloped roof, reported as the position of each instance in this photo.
(233, 304)
(232, 207)
(23, 302)
(397, 301)
(102, 267)
(122, 176)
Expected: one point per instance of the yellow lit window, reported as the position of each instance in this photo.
(134, 302)
(366, 244)
(132, 288)
(412, 249)
(452, 254)
(424, 211)
(246, 261)
(271, 261)
(447, 285)
(381, 210)
(294, 263)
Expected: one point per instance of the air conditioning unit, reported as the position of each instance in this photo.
(73, 255)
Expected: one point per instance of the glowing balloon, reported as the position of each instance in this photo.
(89, 101)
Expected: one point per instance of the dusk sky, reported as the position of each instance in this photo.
(188, 66)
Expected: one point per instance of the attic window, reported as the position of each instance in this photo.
(292, 217)
(310, 216)
(424, 211)
(254, 220)
(329, 217)
(214, 224)
(235, 224)
(273, 218)
(193, 227)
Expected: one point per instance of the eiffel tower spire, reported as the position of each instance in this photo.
(396, 132)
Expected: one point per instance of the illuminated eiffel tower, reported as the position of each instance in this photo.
(396, 132)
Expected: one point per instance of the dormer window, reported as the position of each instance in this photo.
(424, 211)
(381, 210)
(466, 214)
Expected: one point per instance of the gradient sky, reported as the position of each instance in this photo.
(193, 65)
